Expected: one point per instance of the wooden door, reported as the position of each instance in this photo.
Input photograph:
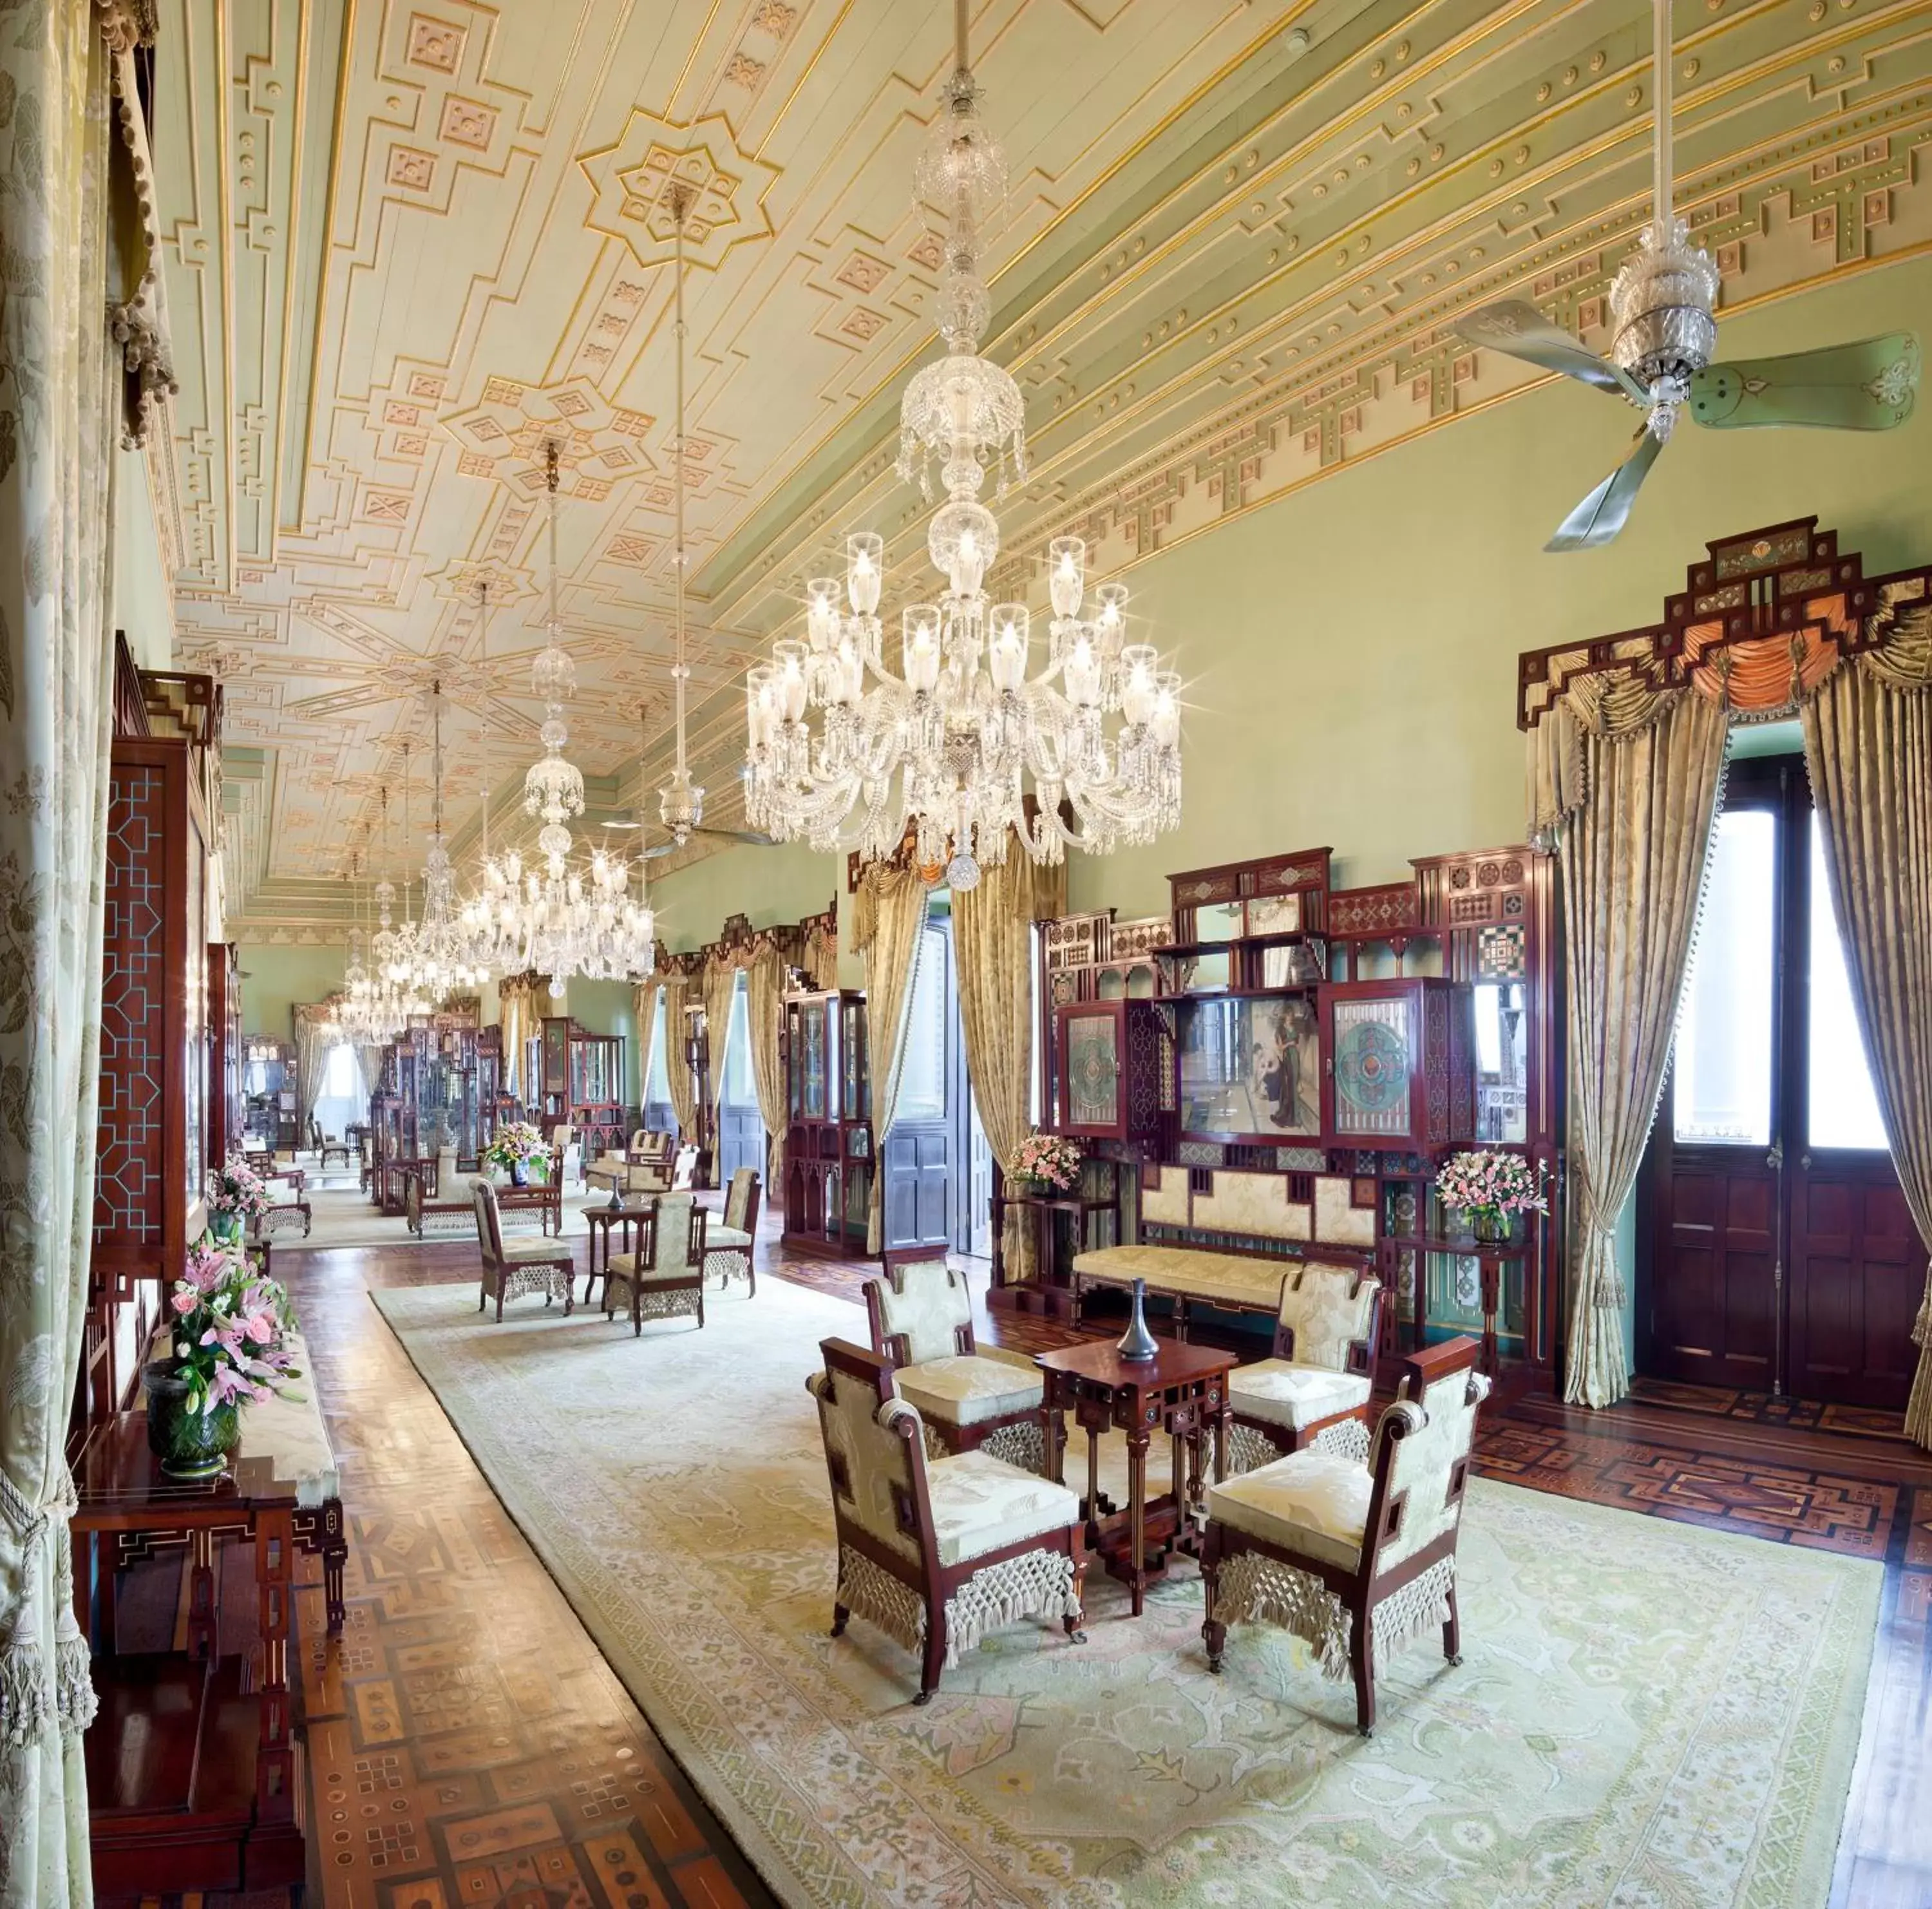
(1776, 1253)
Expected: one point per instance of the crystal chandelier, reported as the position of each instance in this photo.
(680, 802)
(961, 728)
(391, 950)
(556, 919)
(433, 956)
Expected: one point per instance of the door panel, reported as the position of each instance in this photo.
(1764, 1263)
(918, 1154)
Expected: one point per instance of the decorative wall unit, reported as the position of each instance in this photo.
(153, 1137)
(579, 1077)
(270, 1110)
(1325, 1048)
(830, 1156)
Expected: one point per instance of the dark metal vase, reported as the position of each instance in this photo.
(1137, 1342)
(190, 1444)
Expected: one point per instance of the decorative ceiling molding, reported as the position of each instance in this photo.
(405, 247)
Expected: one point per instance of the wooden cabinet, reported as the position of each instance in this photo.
(1400, 1064)
(829, 1157)
(225, 1055)
(578, 1077)
(1116, 1060)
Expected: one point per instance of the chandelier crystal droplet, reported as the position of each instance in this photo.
(957, 740)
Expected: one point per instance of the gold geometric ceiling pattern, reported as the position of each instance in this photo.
(409, 245)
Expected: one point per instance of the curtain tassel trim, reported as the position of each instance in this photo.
(27, 1703)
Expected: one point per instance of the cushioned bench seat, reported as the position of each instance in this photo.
(1240, 1281)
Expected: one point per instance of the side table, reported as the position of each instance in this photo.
(1182, 1391)
(601, 1219)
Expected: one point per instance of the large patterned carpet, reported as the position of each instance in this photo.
(1645, 1713)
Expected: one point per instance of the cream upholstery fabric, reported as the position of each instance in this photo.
(1294, 1394)
(925, 1302)
(1328, 1307)
(1256, 1203)
(1339, 1221)
(1190, 1271)
(1312, 1502)
(876, 1460)
(963, 1389)
(717, 1239)
(1443, 1426)
(737, 1204)
(521, 1251)
(980, 1504)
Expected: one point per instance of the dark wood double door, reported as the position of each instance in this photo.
(1775, 1250)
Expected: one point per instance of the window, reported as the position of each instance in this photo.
(1843, 1107)
(1726, 1027)
(739, 1090)
(657, 1080)
(922, 1073)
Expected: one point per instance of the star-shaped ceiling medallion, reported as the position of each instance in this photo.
(633, 180)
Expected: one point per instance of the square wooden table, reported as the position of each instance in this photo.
(1183, 1392)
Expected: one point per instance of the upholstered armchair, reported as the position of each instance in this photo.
(937, 1553)
(323, 1145)
(1358, 1560)
(921, 1316)
(543, 1266)
(727, 1248)
(647, 1147)
(1315, 1390)
(664, 1279)
(566, 1154)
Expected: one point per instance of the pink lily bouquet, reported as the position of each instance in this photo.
(1488, 1187)
(229, 1327)
(1050, 1157)
(515, 1144)
(235, 1191)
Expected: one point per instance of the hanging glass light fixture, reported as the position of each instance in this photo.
(680, 802)
(957, 741)
(551, 917)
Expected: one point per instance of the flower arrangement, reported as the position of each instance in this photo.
(236, 1192)
(1488, 1187)
(229, 1326)
(516, 1146)
(1050, 1157)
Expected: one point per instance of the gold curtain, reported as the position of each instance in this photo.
(644, 1006)
(886, 922)
(764, 1017)
(516, 1016)
(1632, 853)
(1868, 748)
(992, 944)
(61, 413)
(677, 1065)
(312, 1047)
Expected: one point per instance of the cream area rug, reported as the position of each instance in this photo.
(343, 1217)
(1646, 1713)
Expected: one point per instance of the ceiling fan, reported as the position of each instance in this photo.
(1661, 306)
(639, 817)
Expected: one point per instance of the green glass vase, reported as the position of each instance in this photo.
(190, 1444)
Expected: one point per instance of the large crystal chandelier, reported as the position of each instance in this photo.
(397, 998)
(958, 739)
(551, 917)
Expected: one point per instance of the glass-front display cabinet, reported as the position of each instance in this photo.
(829, 1157)
(579, 1078)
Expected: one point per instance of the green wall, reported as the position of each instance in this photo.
(1350, 650)
(607, 1007)
(276, 978)
(769, 886)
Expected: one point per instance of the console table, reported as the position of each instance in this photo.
(193, 1777)
(1183, 1392)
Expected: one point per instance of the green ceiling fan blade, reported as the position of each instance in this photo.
(1603, 513)
(1515, 326)
(1867, 386)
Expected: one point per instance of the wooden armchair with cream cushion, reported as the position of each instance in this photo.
(921, 1316)
(537, 1265)
(647, 1147)
(937, 1553)
(727, 1248)
(664, 1279)
(1358, 1560)
(1314, 1391)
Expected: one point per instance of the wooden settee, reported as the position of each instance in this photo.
(1257, 1227)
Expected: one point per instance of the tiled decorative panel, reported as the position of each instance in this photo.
(128, 1177)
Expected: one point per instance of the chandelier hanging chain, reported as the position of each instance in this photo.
(680, 802)
(962, 744)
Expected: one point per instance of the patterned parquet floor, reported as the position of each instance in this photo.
(468, 1748)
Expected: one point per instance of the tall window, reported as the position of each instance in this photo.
(1843, 1108)
(658, 1114)
(1726, 1025)
(922, 1073)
